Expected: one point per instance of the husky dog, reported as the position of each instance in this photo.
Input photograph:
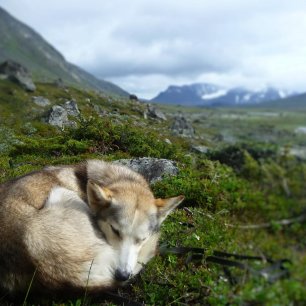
(92, 225)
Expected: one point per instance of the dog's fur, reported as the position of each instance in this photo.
(91, 225)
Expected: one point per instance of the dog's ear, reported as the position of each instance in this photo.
(165, 206)
(99, 197)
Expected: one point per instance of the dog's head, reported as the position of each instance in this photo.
(130, 218)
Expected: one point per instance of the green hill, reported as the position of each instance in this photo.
(227, 191)
(20, 43)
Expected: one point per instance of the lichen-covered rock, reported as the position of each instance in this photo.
(153, 169)
(41, 101)
(58, 116)
(133, 97)
(18, 74)
(182, 127)
(200, 149)
(153, 112)
(71, 108)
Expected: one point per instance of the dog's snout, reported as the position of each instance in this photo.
(122, 276)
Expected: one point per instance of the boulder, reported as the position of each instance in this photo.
(72, 108)
(133, 97)
(154, 113)
(153, 169)
(18, 74)
(182, 127)
(58, 116)
(41, 101)
(59, 83)
(98, 109)
(300, 130)
(200, 149)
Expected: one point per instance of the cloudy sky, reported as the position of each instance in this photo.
(146, 45)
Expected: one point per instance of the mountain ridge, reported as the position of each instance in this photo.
(205, 94)
(22, 44)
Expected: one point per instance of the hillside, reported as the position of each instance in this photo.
(236, 194)
(20, 43)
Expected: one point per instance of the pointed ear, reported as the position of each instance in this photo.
(165, 206)
(98, 197)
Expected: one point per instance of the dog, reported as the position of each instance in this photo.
(87, 226)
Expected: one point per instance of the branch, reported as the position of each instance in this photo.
(298, 219)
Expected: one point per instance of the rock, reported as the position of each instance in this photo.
(200, 149)
(153, 169)
(58, 116)
(71, 108)
(98, 109)
(41, 101)
(18, 74)
(59, 83)
(154, 113)
(133, 97)
(300, 130)
(168, 141)
(182, 127)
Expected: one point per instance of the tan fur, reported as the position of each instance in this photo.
(58, 223)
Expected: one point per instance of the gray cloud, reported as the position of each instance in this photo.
(146, 45)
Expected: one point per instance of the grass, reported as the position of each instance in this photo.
(242, 183)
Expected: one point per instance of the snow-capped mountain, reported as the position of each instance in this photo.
(213, 95)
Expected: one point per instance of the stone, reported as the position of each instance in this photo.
(153, 169)
(71, 108)
(181, 127)
(133, 97)
(41, 101)
(200, 149)
(300, 130)
(58, 116)
(59, 83)
(154, 113)
(18, 74)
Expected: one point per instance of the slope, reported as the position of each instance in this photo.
(20, 43)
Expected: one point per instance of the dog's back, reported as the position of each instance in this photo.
(91, 225)
(54, 241)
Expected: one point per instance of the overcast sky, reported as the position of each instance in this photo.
(146, 45)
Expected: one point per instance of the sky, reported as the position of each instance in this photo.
(146, 45)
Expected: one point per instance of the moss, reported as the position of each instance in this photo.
(241, 184)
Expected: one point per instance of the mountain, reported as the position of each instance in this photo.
(20, 43)
(187, 94)
(213, 95)
(297, 103)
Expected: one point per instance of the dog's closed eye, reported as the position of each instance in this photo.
(140, 240)
(115, 231)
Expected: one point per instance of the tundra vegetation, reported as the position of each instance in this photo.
(249, 176)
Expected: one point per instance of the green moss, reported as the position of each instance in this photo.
(233, 185)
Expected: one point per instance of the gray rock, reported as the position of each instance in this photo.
(200, 149)
(59, 83)
(154, 113)
(18, 74)
(58, 116)
(182, 127)
(71, 108)
(153, 169)
(133, 97)
(41, 101)
(300, 130)
(98, 109)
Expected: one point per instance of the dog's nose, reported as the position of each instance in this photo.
(122, 276)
